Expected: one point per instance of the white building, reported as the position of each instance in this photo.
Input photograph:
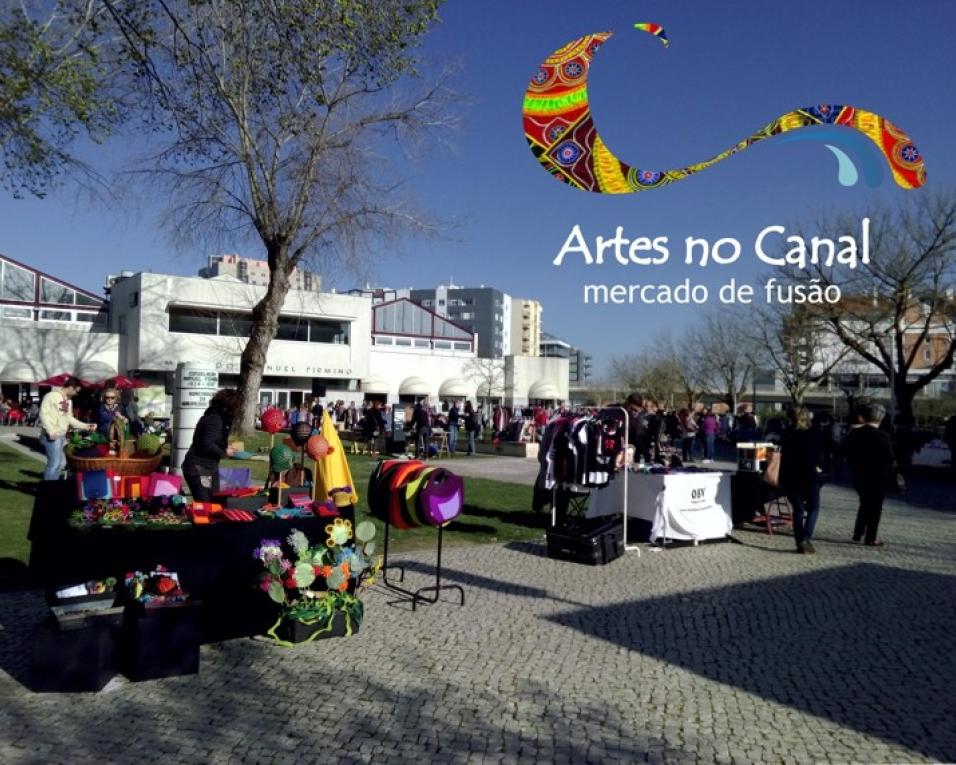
(48, 327)
(162, 320)
(335, 346)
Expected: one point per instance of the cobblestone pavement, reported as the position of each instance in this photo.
(721, 653)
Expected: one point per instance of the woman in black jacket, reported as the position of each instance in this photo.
(210, 444)
(800, 476)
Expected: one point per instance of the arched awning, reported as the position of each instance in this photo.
(454, 387)
(17, 372)
(94, 370)
(414, 386)
(375, 385)
(543, 390)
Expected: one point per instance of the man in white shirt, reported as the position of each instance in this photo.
(56, 418)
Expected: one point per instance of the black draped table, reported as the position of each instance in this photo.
(215, 562)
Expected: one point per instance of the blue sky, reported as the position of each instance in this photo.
(731, 67)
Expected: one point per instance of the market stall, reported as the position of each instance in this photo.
(214, 560)
(691, 506)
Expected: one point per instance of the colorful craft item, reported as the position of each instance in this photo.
(234, 477)
(273, 420)
(442, 497)
(157, 587)
(164, 485)
(563, 137)
(242, 516)
(301, 433)
(326, 510)
(280, 458)
(317, 447)
(333, 471)
(286, 513)
(299, 499)
(147, 445)
(94, 484)
(134, 486)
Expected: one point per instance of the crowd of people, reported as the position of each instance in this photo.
(25, 412)
(374, 420)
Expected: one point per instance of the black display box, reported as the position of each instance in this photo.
(595, 542)
(76, 651)
(161, 640)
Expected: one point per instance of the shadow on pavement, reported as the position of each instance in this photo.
(866, 646)
(420, 715)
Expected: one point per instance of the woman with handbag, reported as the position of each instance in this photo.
(800, 476)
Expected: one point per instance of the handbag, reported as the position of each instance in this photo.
(772, 474)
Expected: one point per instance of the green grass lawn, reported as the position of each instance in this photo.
(494, 511)
(19, 475)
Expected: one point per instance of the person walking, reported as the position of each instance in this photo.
(708, 428)
(210, 445)
(688, 434)
(869, 453)
(373, 426)
(471, 427)
(454, 417)
(800, 476)
(423, 429)
(56, 419)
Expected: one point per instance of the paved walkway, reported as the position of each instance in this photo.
(722, 653)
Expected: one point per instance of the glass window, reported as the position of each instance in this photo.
(84, 300)
(235, 324)
(56, 316)
(84, 316)
(462, 346)
(9, 312)
(421, 343)
(382, 340)
(443, 345)
(403, 341)
(325, 331)
(293, 328)
(51, 292)
(192, 320)
(18, 283)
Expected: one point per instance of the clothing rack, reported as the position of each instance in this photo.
(626, 471)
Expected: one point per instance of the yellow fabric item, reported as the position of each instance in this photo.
(334, 472)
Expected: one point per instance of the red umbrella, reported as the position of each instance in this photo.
(121, 383)
(57, 380)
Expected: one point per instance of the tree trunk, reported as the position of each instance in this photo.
(903, 427)
(265, 323)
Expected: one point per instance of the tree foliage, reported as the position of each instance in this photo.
(53, 75)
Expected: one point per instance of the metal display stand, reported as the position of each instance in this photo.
(417, 595)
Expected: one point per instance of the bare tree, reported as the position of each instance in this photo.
(489, 374)
(793, 342)
(654, 374)
(273, 121)
(898, 311)
(716, 359)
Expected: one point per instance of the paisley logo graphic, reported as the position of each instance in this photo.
(563, 137)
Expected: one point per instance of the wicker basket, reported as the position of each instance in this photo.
(122, 463)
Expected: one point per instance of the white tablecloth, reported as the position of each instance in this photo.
(691, 506)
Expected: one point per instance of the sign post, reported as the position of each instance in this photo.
(196, 384)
